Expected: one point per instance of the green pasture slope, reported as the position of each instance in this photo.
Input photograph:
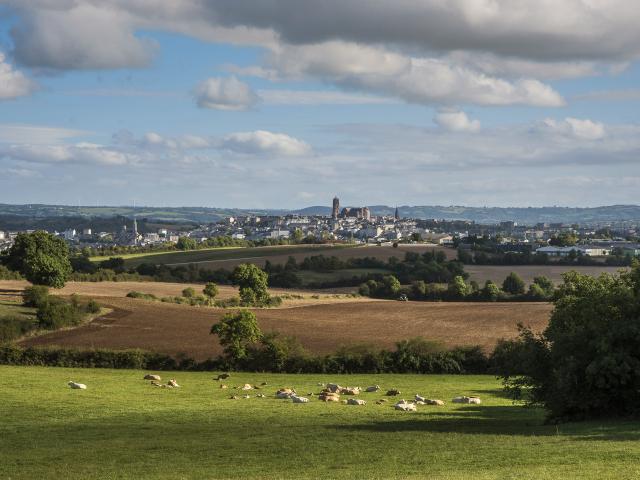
(221, 253)
(121, 427)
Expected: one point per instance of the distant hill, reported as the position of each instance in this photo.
(200, 215)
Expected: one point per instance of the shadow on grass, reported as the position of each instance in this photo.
(501, 420)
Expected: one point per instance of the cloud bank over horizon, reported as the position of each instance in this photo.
(465, 101)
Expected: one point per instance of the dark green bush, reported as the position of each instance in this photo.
(56, 313)
(12, 327)
(35, 296)
(144, 296)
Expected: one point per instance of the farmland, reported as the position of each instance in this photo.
(121, 427)
(230, 257)
(322, 325)
(227, 253)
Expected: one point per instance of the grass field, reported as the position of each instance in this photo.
(13, 307)
(228, 253)
(128, 256)
(121, 427)
(482, 273)
(230, 257)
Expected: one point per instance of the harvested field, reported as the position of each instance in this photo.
(229, 253)
(179, 329)
(380, 252)
(482, 273)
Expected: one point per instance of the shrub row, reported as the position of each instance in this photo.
(280, 356)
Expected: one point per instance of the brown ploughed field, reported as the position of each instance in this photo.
(322, 327)
(497, 273)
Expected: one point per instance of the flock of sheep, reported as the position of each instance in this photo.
(330, 393)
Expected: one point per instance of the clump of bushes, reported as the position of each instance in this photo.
(12, 327)
(586, 363)
(144, 296)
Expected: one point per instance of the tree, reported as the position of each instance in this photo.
(186, 243)
(545, 284)
(458, 289)
(490, 291)
(210, 290)
(253, 285)
(390, 286)
(586, 364)
(189, 292)
(513, 284)
(236, 331)
(536, 293)
(41, 258)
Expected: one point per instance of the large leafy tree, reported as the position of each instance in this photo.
(253, 285)
(41, 258)
(587, 362)
(513, 284)
(236, 331)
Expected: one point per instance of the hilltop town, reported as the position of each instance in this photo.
(357, 225)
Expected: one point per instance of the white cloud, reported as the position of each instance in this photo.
(81, 153)
(319, 97)
(579, 128)
(413, 79)
(36, 134)
(456, 121)
(225, 94)
(13, 83)
(263, 142)
(79, 35)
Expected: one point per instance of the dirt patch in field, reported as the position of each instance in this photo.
(482, 273)
(184, 330)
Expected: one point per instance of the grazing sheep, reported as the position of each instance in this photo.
(222, 376)
(373, 388)
(329, 397)
(333, 387)
(246, 386)
(233, 397)
(468, 400)
(297, 399)
(223, 386)
(77, 386)
(156, 384)
(418, 398)
(437, 402)
(405, 406)
(172, 383)
(148, 376)
(356, 401)
(393, 392)
(350, 390)
(285, 393)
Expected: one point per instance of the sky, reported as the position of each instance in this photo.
(286, 103)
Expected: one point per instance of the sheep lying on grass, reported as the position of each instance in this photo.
(77, 386)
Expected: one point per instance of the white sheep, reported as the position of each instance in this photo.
(77, 386)
(297, 399)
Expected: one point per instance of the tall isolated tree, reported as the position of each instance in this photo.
(236, 331)
(253, 285)
(41, 258)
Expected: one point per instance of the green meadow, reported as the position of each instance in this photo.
(122, 427)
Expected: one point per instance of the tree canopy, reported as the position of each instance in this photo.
(237, 330)
(586, 363)
(41, 258)
(253, 285)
